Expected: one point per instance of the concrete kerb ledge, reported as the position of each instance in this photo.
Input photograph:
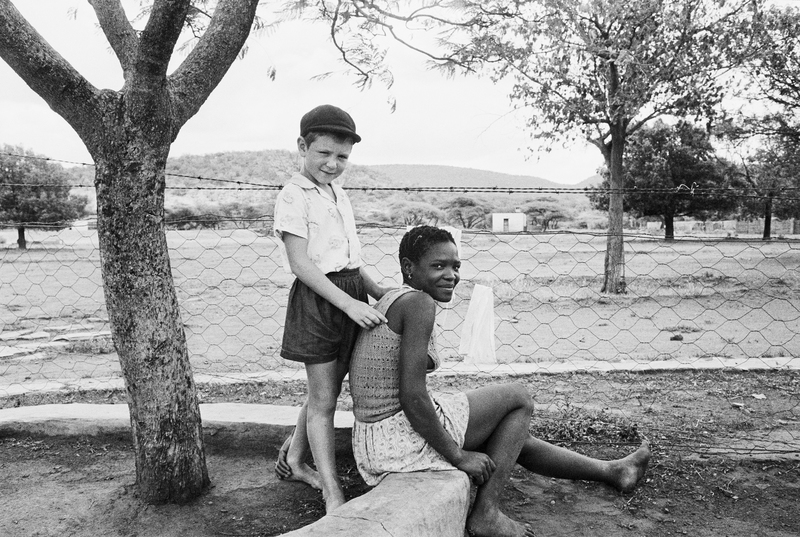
(419, 504)
(224, 424)
(422, 504)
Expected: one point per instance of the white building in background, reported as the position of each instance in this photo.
(509, 222)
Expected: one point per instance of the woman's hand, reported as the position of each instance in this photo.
(478, 466)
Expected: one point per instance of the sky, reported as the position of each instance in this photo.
(462, 121)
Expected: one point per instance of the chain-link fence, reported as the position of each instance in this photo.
(696, 303)
(687, 300)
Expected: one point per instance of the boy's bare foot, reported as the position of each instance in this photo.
(305, 474)
(300, 472)
(496, 524)
(628, 471)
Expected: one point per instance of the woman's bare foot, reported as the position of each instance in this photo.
(333, 501)
(297, 471)
(496, 524)
(628, 471)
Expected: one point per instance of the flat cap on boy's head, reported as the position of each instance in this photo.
(329, 118)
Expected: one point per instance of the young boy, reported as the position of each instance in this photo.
(328, 299)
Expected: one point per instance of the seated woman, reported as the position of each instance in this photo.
(401, 427)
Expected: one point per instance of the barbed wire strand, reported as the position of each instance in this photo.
(248, 185)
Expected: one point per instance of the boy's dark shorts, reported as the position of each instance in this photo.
(316, 331)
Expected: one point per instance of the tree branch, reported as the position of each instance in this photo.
(641, 122)
(47, 73)
(420, 13)
(158, 39)
(118, 31)
(365, 76)
(209, 61)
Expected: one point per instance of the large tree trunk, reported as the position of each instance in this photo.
(146, 324)
(614, 269)
(21, 242)
(129, 133)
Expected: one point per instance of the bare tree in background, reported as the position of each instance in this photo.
(594, 70)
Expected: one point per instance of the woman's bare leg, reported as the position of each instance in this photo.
(499, 419)
(548, 460)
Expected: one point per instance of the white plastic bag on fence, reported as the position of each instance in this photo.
(477, 335)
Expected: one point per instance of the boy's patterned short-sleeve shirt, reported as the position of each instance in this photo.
(303, 209)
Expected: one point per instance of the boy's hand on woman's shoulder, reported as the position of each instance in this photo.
(363, 314)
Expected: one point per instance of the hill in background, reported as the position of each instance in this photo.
(275, 166)
(206, 182)
(434, 175)
(594, 180)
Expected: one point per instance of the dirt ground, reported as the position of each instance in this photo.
(698, 484)
(85, 487)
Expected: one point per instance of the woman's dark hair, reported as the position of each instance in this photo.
(419, 240)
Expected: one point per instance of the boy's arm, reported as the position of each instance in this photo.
(373, 289)
(302, 267)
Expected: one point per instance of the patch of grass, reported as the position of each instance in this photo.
(722, 355)
(100, 345)
(576, 425)
(775, 352)
(683, 329)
